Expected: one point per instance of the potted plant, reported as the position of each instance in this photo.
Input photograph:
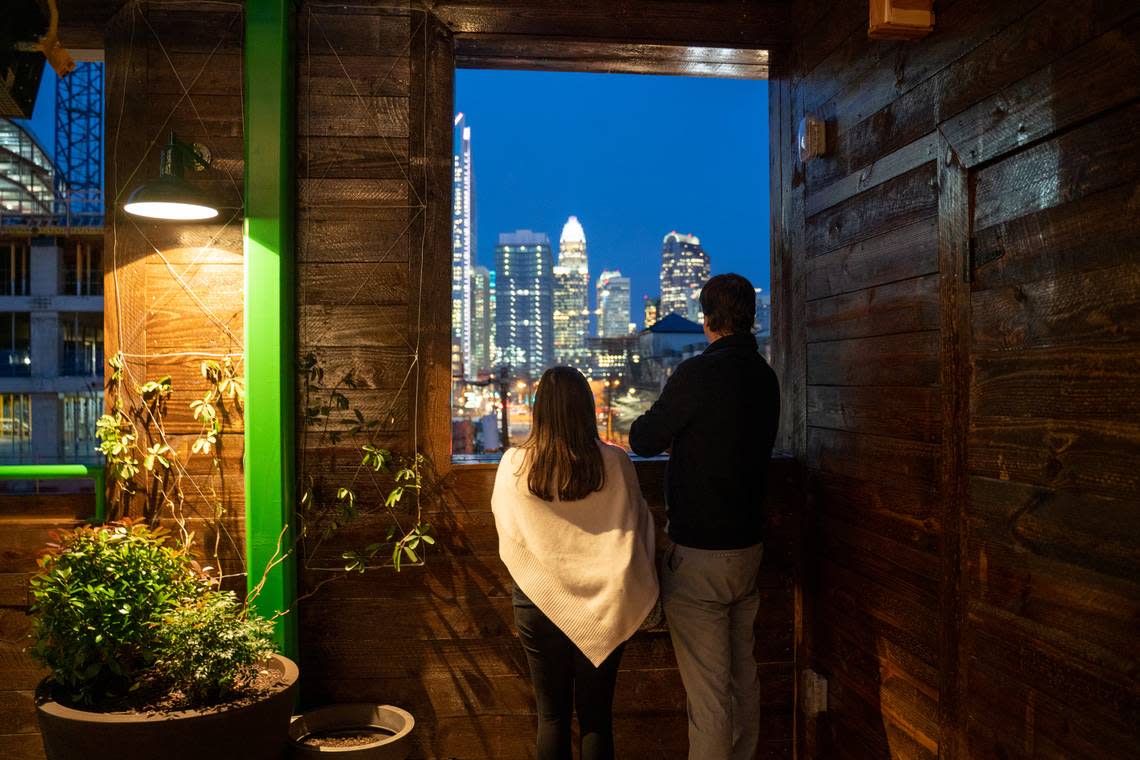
(148, 657)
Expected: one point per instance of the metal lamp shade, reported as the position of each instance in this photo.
(172, 198)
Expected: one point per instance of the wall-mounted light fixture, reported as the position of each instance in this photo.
(170, 196)
(811, 138)
(901, 19)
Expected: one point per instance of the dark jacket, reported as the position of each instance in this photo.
(719, 412)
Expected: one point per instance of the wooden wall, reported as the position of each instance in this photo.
(374, 168)
(26, 523)
(440, 641)
(174, 290)
(957, 296)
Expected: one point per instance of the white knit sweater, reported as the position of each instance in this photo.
(587, 564)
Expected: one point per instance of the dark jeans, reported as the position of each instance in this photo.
(564, 681)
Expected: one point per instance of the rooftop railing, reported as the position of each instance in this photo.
(59, 471)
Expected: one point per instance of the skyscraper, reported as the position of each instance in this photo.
(651, 307)
(613, 305)
(571, 296)
(524, 325)
(482, 322)
(462, 249)
(684, 268)
(763, 325)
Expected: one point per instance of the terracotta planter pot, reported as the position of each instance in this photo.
(397, 724)
(256, 731)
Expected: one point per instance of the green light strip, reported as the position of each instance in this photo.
(269, 481)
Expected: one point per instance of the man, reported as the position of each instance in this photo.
(718, 413)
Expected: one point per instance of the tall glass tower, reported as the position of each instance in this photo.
(613, 305)
(462, 250)
(524, 285)
(684, 271)
(571, 296)
(482, 321)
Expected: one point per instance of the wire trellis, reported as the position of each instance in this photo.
(140, 34)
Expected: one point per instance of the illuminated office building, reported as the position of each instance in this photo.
(462, 250)
(613, 305)
(482, 321)
(684, 271)
(524, 287)
(571, 296)
(763, 324)
(650, 308)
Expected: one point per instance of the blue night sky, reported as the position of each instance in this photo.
(42, 123)
(632, 156)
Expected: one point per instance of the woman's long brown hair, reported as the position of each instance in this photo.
(562, 451)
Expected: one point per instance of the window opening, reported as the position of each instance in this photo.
(588, 210)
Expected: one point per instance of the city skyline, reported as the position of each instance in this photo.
(583, 150)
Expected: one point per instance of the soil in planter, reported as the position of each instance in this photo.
(153, 697)
(345, 737)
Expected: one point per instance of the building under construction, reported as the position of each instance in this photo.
(51, 280)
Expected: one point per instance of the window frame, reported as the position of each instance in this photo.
(492, 43)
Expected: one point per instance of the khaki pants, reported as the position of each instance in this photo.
(710, 602)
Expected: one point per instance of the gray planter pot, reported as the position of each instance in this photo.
(256, 731)
(395, 724)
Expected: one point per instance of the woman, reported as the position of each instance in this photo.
(577, 538)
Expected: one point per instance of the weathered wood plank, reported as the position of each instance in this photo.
(1006, 643)
(353, 157)
(18, 713)
(910, 572)
(1037, 178)
(21, 747)
(1079, 530)
(1008, 717)
(377, 283)
(1076, 310)
(1094, 232)
(878, 171)
(358, 326)
(888, 360)
(371, 31)
(905, 511)
(899, 412)
(352, 193)
(371, 367)
(899, 254)
(321, 72)
(908, 198)
(898, 307)
(855, 455)
(1044, 33)
(1089, 456)
(905, 620)
(434, 55)
(1084, 383)
(331, 235)
(731, 24)
(1074, 88)
(353, 114)
(1083, 615)
(489, 51)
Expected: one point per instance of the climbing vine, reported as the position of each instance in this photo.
(143, 465)
(327, 506)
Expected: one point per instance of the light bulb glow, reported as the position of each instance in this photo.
(172, 211)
